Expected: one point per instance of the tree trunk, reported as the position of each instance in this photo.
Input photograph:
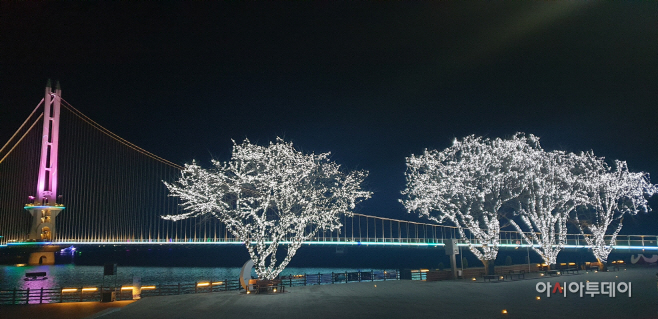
(489, 267)
(602, 265)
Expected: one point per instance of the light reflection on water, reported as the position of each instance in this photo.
(81, 276)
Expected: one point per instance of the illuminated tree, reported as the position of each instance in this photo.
(611, 195)
(271, 195)
(551, 193)
(468, 184)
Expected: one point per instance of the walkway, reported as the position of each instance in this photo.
(68, 310)
(404, 299)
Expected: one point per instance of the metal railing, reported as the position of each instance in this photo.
(507, 239)
(372, 230)
(125, 292)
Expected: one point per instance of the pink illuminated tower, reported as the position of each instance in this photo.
(45, 208)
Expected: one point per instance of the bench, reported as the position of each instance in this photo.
(268, 286)
(593, 266)
(490, 277)
(571, 270)
(41, 275)
(553, 272)
(615, 264)
(518, 273)
(569, 267)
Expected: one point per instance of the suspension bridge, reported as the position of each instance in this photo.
(65, 179)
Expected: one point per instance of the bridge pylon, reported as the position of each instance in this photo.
(44, 207)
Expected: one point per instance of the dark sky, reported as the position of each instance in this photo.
(370, 82)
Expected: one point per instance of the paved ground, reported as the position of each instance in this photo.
(67, 310)
(403, 299)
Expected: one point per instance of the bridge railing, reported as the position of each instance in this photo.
(506, 239)
(366, 229)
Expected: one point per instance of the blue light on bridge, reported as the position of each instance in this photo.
(348, 243)
(44, 207)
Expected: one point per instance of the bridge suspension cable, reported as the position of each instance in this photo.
(19, 130)
(112, 188)
(19, 159)
(109, 133)
(21, 139)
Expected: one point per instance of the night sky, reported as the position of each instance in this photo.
(371, 82)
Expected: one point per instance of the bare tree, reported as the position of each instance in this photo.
(467, 184)
(611, 194)
(268, 196)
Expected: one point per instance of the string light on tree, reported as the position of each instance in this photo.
(611, 194)
(467, 184)
(551, 193)
(269, 195)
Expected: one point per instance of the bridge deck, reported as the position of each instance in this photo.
(649, 244)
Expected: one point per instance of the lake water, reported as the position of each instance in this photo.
(79, 276)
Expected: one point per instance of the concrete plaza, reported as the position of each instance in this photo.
(405, 299)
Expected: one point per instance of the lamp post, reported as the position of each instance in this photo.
(528, 251)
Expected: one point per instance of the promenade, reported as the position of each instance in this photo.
(408, 299)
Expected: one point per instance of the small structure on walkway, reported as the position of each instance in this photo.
(39, 275)
(245, 274)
